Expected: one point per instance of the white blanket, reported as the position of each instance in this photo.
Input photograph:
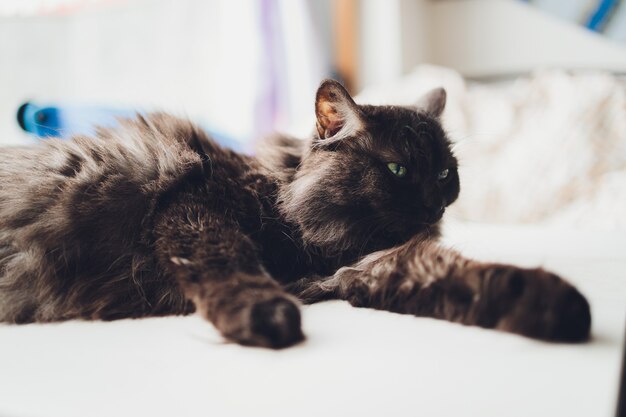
(355, 362)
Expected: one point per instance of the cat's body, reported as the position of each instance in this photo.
(78, 219)
(154, 218)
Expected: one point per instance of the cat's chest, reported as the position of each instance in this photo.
(280, 247)
(281, 254)
(254, 196)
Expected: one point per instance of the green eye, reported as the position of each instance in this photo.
(443, 175)
(397, 169)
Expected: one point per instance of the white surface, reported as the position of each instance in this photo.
(490, 37)
(355, 362)
(479, 38)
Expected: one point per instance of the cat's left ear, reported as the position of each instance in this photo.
(433, 102)
(337, 114)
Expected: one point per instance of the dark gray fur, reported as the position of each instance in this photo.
(155, 218)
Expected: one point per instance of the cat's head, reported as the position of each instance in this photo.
(372, 176)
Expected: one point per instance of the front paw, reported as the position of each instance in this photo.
(271, 321)
(275, 323)
(536, 303)
(249, 309)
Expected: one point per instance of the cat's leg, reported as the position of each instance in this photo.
(218, 268)
(426, 279)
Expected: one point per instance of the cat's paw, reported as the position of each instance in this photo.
(271, 320)
(251, 310)
(539, 304)
(275, 323)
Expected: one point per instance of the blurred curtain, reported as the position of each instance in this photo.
(243, 67)
(291, 65)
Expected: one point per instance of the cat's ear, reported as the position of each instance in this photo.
(433, 102)
(337, 114)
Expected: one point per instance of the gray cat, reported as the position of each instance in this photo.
(154, 218)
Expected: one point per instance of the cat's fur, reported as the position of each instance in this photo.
(425, 279)
(155, 218)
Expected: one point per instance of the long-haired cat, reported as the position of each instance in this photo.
(154, 218)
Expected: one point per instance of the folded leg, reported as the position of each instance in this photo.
(218, 268)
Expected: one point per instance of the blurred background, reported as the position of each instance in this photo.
(536, 88)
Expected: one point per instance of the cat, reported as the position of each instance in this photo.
(155, 218)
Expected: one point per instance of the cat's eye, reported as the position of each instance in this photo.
(443, 175)
(397, 169)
